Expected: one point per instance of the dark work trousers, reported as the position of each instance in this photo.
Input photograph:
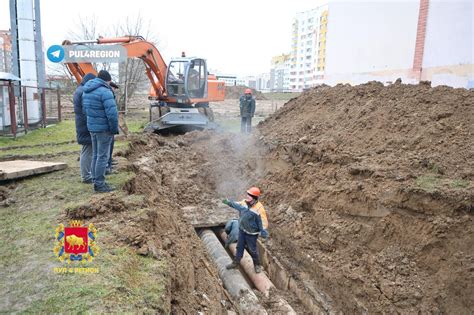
(246, 124)
(109, 163)
(251, 242)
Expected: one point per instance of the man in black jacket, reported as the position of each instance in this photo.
(82, 133)
(247, 111)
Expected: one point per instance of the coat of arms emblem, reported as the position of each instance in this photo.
(76, 242)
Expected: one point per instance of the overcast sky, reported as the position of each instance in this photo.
(236, 37)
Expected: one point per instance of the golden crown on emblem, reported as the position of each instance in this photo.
(75, 223)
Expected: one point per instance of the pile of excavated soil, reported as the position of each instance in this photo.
(368, 189)
(371, 194)
(235, 92)
(167, 178)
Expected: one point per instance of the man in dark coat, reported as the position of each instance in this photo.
(247, 110)
(102, 122)
(82, 133)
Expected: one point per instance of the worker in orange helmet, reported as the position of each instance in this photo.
(255, 193)
(247, 111)
(250, 227)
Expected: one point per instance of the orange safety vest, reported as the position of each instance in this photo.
(258, 208)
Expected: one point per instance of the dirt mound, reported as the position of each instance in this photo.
(368, 190)
(235, 92)
(170, 175)
(371, 191)
(6, 195)
(102, 205)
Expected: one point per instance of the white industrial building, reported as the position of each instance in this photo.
(26, 61)
(413, 40)
(230, 79)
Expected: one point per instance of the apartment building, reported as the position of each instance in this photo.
(5, 51)
(280, 73)
(308, 49)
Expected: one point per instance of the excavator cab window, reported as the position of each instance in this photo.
(175, 78)
(196, 79)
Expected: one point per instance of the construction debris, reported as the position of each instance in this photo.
(22, 168)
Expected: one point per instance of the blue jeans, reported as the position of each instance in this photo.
(251, 242)
(101, 142)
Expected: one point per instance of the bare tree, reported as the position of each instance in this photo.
(131, 74)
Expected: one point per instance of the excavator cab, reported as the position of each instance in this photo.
(186, 79)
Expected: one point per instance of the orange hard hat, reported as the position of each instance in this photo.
(248, 91)
(254, 191)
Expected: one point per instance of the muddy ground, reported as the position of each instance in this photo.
(369, 193)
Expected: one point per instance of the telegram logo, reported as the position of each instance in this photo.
(55, 53)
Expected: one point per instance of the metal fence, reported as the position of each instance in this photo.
(23, 108)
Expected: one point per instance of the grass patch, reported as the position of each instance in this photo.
(459, 183)
(432, 182)
(61, 132)
(428, 182)
(41, 150)
(126, 282)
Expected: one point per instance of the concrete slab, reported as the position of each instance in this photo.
(22, 168)
(209, 217)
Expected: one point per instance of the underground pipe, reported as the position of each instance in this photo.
(233, 280)
(260, 280)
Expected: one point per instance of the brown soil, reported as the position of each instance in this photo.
(152, 224)
(369, 192)
(235, 92)
(372, 194)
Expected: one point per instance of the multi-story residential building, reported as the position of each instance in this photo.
(262, 82)
(308, 48)
(320, 54)
(5, 51)
(280, 73)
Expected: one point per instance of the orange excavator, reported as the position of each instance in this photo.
(181, 90)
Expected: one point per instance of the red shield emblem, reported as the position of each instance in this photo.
(76, 240)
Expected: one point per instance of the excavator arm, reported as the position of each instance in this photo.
(136, 47)
(183, 101)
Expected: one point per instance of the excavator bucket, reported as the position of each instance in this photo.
(182, 120)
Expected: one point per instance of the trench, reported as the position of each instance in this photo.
(288, 293)
(240, 283)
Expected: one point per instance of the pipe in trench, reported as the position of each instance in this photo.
(260, 280)
(233, 281)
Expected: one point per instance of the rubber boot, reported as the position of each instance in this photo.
(233, 265)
